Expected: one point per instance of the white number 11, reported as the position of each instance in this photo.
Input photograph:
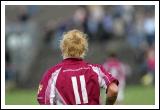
(83, 89)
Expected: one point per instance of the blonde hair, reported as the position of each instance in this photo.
(74, 44)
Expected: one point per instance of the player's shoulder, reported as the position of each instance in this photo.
(48, 72)
(94, 65)
(54, 67)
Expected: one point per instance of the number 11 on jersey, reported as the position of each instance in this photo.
(83, 89)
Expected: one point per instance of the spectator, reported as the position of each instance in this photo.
(149, 77)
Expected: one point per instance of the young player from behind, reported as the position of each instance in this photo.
(74, 81)
(118, 69)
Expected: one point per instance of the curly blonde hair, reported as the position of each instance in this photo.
(74, 44)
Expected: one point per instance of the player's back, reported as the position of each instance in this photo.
(73, 81)
(77, 83)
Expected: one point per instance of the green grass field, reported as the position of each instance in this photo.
(134, 95)
(138, 95)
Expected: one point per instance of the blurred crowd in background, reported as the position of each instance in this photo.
(33, 34)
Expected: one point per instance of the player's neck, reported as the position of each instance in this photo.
(71, 57)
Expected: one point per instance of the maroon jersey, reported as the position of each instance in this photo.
(116, 68)
(73, 81)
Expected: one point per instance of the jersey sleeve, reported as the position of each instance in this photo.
(107, 78)
(41, 95)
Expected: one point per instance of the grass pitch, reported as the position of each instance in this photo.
(134, 95)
